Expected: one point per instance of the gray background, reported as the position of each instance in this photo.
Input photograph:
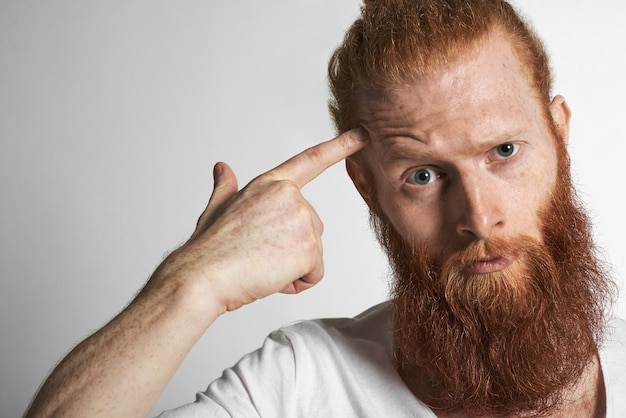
(112, 114)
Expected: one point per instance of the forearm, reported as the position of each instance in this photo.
(247, 245)
(122, 369)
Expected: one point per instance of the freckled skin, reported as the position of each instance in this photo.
(452, 123)
(248, 244)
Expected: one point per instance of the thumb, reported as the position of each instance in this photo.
(225, 186)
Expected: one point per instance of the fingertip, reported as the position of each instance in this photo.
(223, 176)
(360, 134)
(356, 139)
(356, 136)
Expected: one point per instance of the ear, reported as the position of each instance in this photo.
(561, 114)
(356, 171)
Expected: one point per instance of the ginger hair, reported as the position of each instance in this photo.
(395, 41)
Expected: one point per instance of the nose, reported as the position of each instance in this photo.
(480, 207)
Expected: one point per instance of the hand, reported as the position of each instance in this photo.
(265, 238)
(247, 244)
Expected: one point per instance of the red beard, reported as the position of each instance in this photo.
(507, 342)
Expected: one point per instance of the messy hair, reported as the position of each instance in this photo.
(396, 41)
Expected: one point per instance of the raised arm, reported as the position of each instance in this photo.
(247, 244)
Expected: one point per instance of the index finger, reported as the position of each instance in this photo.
(310, 163)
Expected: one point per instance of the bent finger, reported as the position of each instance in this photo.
(310, 279)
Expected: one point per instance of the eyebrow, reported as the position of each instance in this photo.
(399, 152)
(394, 151)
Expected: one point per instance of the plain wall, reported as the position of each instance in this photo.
(112, 114)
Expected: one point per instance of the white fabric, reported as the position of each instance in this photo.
(344, 368)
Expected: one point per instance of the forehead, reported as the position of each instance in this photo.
(482, 87)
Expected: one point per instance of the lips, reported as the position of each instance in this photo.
(489, 265)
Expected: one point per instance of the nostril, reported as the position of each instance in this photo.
(477, 205)
(479, 225)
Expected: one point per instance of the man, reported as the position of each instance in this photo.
(456, 144)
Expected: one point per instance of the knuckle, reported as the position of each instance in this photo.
(264, 178)
(269, 187)
(310, 243)
(315, 154)
(287, 190)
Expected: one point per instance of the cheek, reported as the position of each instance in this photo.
(534, 193)
(415, 221)
(523, 213)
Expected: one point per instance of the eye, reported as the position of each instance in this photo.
(507, 150)
(423, 176)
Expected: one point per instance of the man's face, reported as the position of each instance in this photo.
(461, 156)
(497, 288)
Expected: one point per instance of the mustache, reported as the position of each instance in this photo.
(506, 297)
(507, 254)
(489, 249)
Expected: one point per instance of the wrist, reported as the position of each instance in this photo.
(189, 292)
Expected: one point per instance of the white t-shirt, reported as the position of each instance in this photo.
(345, 368)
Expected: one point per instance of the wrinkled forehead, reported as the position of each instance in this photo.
(486, 80)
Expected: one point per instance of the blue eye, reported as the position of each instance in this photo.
(506, 150)
(423, 176)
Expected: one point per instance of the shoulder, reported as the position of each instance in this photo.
(371, 328)
(321, 367)
(348, 363)
(613, 360)
(617, 330)
(614, 347)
